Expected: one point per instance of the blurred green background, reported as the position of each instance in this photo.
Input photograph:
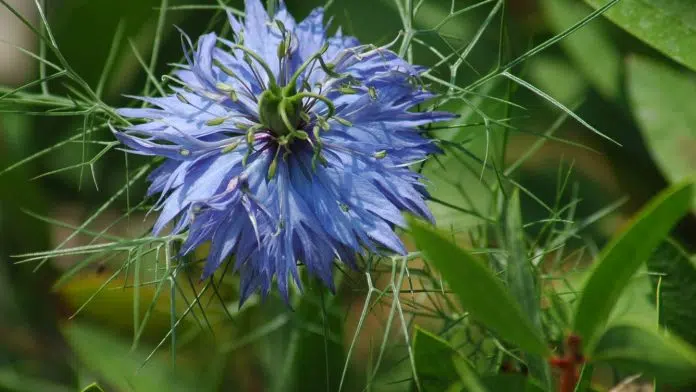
(624, 87)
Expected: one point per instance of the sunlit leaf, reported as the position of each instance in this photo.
(667, 25)
(621, 258)
(662, 100)
(644, 350)
(480, 292)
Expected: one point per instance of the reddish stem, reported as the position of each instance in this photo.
(568, 364)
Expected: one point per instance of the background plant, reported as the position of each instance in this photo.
(569, 123)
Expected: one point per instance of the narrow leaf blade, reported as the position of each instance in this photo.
(520, 278)
(622, 257)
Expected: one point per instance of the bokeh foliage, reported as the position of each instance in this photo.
(569, 123)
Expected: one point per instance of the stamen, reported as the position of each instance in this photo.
(343, 121)
(231, 147)
(182, 99)
(250, 142)
(273, 166)
(215, 121)
(372, 92)
(249, 94)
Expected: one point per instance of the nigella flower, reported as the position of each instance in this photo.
(283, 146)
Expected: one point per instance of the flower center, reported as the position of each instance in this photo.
(280, 110)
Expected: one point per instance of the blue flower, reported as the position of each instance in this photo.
(283, 146)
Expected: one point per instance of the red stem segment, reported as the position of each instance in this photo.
(569, 364)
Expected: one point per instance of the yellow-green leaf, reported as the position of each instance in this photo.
(667, 25)
(662, 101)
(642, 349)
(480, 292)
(622, 257)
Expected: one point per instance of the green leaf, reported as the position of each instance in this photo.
(510, 383)
(667, 25)
(12, 380)
(602, 67)
(622, 257)
(440, 367)
(644, 350)
(112, 358)
(674, 275)
(662, 100)
(520, 279)
(93, 387)
(480, 292)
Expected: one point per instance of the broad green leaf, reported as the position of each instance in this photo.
(12, 380)
(113, 302)
(662, 100)
(520, 280)
(94, 387)
(667, 25)
(674, 275)
(112, 358)
(589, 48)
(622, 257)
(440, 366)
(644, 350)
(480, 292)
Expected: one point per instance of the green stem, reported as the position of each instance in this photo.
(293, 81)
